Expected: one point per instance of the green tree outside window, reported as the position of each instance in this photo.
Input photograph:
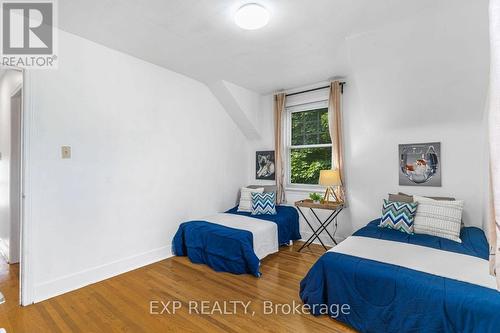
(309, 128)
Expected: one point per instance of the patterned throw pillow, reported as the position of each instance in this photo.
(398, 215)
(245, 204)
(439, 218)
(264, 203)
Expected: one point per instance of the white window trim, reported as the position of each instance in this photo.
(320, 104)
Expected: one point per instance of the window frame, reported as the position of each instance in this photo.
(320, 104)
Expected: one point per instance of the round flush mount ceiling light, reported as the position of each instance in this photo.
(251, 16)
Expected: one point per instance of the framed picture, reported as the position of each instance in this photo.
(264, 165)
(420, 164)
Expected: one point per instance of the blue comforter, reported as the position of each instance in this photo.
(228, 249)
(388, 298)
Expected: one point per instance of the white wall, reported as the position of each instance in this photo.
(15, 176)
(150, 149)
(419, 80)
(240, 104)
(10, 80)
(248, 100)
(265, 120)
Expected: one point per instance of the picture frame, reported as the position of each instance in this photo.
(265, 168)
(420, 164)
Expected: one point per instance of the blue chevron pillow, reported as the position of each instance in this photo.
(398, 215)
(264, 203)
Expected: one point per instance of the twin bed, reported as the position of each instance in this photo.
(396, 282)
(235, 242)
(392, 281)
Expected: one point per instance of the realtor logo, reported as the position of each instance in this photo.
(28, 33)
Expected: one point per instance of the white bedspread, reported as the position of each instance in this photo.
(265, 233)
(420, 258)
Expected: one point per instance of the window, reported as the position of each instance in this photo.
(309, 144)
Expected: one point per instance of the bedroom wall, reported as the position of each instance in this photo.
(148, 145)
(239, 103)
(9, 82)
(419, 80)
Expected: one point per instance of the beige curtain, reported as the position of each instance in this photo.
(492, 234)
(279, 109)
(494, 133)
(335, 126)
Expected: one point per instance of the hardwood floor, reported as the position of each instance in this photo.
(123, 303)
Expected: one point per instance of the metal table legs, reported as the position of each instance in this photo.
(323, 225)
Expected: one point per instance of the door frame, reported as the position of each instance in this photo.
(25, 266)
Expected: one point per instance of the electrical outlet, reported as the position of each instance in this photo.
(66, 152)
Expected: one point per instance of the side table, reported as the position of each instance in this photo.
(335, 207)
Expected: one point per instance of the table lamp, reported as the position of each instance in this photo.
(329, 178)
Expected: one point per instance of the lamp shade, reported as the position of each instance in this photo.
(329, 178)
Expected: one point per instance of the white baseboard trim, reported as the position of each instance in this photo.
(4, 250)
(89, 276)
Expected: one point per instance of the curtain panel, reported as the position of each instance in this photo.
(279, 109)
(494, 135)
(335, 127)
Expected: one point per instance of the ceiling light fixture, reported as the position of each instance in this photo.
(251, 16)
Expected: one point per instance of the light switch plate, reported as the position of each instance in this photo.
(66, 152)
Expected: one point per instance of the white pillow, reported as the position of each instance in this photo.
(439, 218)
(245, 204)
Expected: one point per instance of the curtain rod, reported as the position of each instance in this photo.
(314, 89)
